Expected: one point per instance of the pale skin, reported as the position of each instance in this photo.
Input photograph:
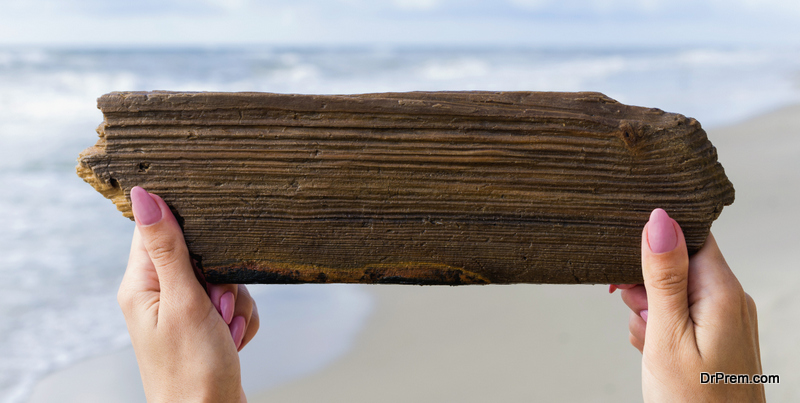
(186, 337)
(690, 316)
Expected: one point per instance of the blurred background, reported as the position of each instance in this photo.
(734, 65)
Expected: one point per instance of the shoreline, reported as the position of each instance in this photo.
(108, 377)
(542, 342)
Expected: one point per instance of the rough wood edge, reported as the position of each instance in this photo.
(109, 188)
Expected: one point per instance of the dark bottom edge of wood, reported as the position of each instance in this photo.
(407, 274)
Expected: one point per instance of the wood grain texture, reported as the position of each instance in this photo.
(416, 188)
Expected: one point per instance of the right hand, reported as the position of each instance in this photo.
(691, 316)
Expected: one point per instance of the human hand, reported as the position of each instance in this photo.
(690, 316)
(186, 345)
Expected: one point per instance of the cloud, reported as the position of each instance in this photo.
(416, 4)
(122, 8)
(228, 5)
(537, 22)
(534, 5)
(652, 7)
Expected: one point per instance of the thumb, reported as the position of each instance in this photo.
(665, 267)
(163, 239)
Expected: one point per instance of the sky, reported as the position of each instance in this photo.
(399, 22)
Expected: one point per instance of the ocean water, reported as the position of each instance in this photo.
(63, 247)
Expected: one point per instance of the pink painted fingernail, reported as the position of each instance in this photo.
(643, 314)
(612, 288)
(237, 330)
(145, 209)
(226, 305)
(661, 233)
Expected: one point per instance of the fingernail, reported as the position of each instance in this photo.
(661, 233)
(237, 330)
(612, 288)
(145, 209)
(226, 305)
(643, 314)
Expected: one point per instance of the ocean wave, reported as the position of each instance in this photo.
(64, 255)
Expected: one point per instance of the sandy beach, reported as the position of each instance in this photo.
(533, 342)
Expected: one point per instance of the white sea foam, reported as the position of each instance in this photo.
(63, 248)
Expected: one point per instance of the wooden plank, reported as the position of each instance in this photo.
(417, 188)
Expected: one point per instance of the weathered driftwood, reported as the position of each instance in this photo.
(419, 188)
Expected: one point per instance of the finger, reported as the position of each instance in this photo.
(636, 299)
(665, 267)
(636, 331)
(712, 278)
(636, 343)
(615, 287)
(715, 295)
(252, 328)
(751, 309)
(140, 275)
(139, 289)
(163, 239)
(224, 297)
(237, 328)
(246, 308)
(637, 327)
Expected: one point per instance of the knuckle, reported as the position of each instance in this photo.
(732, 300)
(732, 296)
(246, 300)
(164, 251)
(752, 310)
(668, 280)
(751, 303)
(634, 341)
(254, 324)
(124, 299)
